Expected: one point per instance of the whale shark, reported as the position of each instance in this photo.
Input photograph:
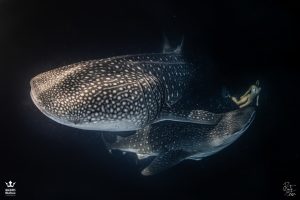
(121, 93)
(172, 142)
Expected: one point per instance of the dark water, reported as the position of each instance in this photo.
(242, 41)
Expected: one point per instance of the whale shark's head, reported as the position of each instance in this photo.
(88, 96)
(232, 126)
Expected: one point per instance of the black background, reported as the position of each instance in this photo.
(245, 40)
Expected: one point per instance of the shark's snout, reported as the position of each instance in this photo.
(34, 91)
(35, 94)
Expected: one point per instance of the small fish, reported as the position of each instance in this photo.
(121, 93)
(173, 142)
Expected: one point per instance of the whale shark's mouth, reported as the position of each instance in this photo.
(49, 115)
(33, 96)
(37, 103)
(35, 100)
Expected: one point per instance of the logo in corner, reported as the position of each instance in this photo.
(289, 189)
(10, 184)
(10, 190)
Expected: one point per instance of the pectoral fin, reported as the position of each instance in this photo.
(164, 161)
(194, 116)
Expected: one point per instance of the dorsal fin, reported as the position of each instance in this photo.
(168, 49)
(179, 47)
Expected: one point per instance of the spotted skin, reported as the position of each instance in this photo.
(115, 94)
(173, 142)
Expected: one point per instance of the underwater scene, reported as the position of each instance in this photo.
(148, 99)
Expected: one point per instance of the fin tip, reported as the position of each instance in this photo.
(167, 47)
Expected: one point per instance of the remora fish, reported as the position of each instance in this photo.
(173, 142)
(120, 93)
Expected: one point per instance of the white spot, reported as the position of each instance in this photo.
(216, 141)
